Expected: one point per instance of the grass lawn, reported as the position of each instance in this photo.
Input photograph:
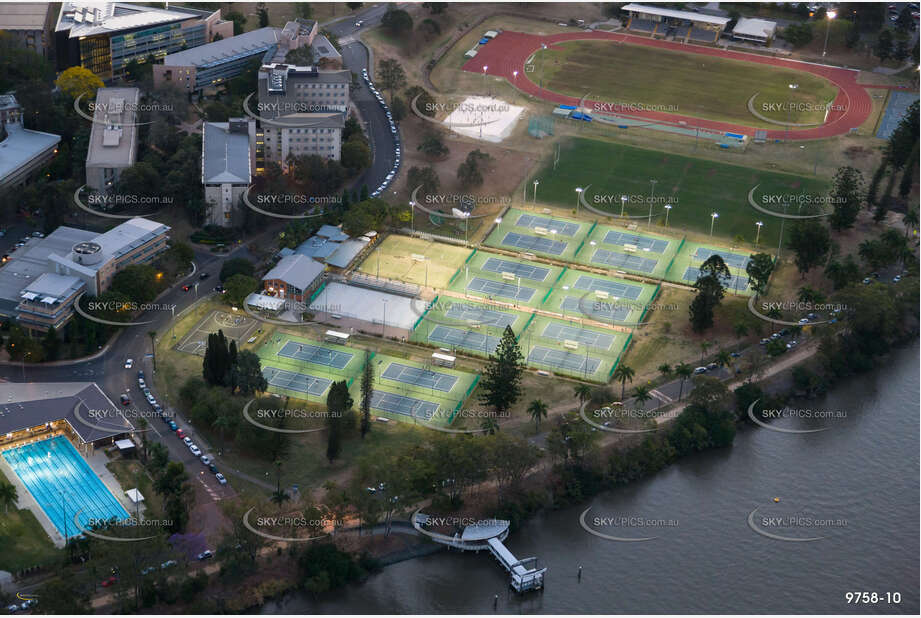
(694, 187)
(393, 259)
(682, 83)
(25, 543)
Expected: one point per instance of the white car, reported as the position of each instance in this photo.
(206, 459)
(195, 450)
(129, 363)
(142, 384)
(187, 441)
(220, 478)
(358, 23)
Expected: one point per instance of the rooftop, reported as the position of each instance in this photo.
(85, 18)
(29, 404)
(346, 252)
(225, 154)
(129, 235)
(297, 270)
(51, 286)
(322, 48)
(332, 232)
(755, 27)
(113, 136)
(21, 146)
(24, 16)
(246, 44)
(664, 12)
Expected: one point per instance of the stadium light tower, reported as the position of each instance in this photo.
(515, 78)
(758, 224)
(579, 191)
(623, 203)
(484, 79)
(412, 218)
(830, 15)
(713, 218)
(536, 182)
(668, 208)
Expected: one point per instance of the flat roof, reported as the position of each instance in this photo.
(29, 404)
(367, 305)
(113, 136)
(21, 146)
(689, 15)
(127, 236)
(24, 15)
(246, 44)
(55, 285)
(297, 270)
(755, 27)
(262, 301)
(322, 48)
(86, 18)
(346, 252)
(225, 155)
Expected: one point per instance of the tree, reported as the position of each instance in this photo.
(305, 11)
(263, 14)
(623, 374)
(665, 369)
(338, 403)
(740, 328)
(811, 243)
(391, 75)
(426, 176)
(66, 595)
(537, 409)
(216, 364)
(77, 81)
(356, 155)
(433, 146)
(883, 47)
(398, 108)
(900, 53)
(502, 374)
(684, 371)
(903, 139)
(247, 373)
(238, 288)
(641, 394)
(9, 495)
(367, 391)
(138, 282)
(239, 21)
(845, 197)
(841, 273)
(470, 171)
(852, 36)
(905, 23)
(910, 220)
(759, 270)
(418, 97)
(583, 392)
(397, 21)
(713, 275)
(797, 34)
(52, 344)
(236, 266)
(436, 8)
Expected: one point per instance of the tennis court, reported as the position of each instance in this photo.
(608, 300)
(294, 381)
(537, 244)
(561, 359)
(564, 228)
(480, 314)
(466, 339)
(315, 354)
(644, 243)
(565, 332)
(501, 289)
(423, 378)
(736, 282)
(617, 289)
(525, 271)
(604, 311)
(625, 261)
(733, 260)
(401, 404)
(686, 266)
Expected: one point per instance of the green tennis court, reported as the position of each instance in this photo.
(629, 249)
(571, 348)
(686, 266)
(505, 279)
(467, 326)
(610, 300)
(302, 368)
(540, 233)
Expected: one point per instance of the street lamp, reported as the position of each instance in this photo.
(536, 182)
(412, 218)
(758, 233)
(652, 197)
(484, 79)
(713, 217)
(515, 78)
(668, 208)
(623, 203)
(578, 195)
(790, 111)
(830, 15)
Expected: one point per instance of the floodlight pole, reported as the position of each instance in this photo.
(412, 218)
(758, 233)
(578, 197)
(652, 197)
(536, 182)
(623, 204)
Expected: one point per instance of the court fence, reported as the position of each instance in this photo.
(461, 401)
(674, 257)
(424, 313)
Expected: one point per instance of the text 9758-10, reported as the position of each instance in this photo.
(873, 598)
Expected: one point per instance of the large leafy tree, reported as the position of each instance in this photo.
(811, 242)
(247, 373)
(846, 197)
(338, 403)
(367, 390)
(502, 375)
(713, 276)
(759, 270)
(391, 75)
(77, 81)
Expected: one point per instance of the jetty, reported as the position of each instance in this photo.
(487, 535)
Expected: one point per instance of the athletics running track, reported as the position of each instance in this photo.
(509, 51)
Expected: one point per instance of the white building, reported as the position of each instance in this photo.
(113, 137)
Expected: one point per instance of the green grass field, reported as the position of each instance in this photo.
(694, 187)
(598, 344)
(519, 290)
(25, 543)
(604, 248)
(448, 401)
(620, 302)
(393, 259)
(268, 356)
(688, 257)
(555, 230)
(481, 334)
(682, 83)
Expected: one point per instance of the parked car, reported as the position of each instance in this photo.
(866, 280)
(203, 276)
(168, 564)
(205, 555)
(734, 354)
(129, 363)
(149, 569)
(125, 400)
(181, 435)
(712, 366)
(109, 581)
(140, 375)
(187, 440)
(700, 370)
(186, 288)
(195, 450)
(142, 384)
(220, 478)
(12, 608)
(206, 459)
(213, 469)
(804, 321)
(173, 425)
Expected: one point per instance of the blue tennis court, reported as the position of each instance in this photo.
(899, 102)
(735, 282)
(525, 271)
(603, 311)
(560, 227)
(563, 332)
(624, 260)
(464, 339)
(300, 382)
(315, 354)
(423, 378)
(534, 243)
(63, 484)
(401, 404)
(561, 359)
(644, 243)
(732, 259)
(613, 288)
(500, 288)
(479, 315)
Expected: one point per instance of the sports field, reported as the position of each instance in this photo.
(505, 279)
(406, 390)
(682, 83)
(539, 233)
(687, 264)
(694, 187)
(583, 295)
(629, 248)
(570, 348)
(466, 325)
(305, 368)
(394, 259)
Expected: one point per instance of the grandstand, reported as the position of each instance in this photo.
(680, 25)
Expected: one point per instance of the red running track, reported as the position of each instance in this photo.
(509, 51)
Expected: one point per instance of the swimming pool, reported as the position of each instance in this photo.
(52, 467)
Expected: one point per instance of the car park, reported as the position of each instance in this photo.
(220, 478)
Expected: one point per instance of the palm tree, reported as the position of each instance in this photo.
(665, 369)
(704, 346)
(221, 423)
(723, 359)
(8, 496)
(641, 394)
(279, 497)
(583, 392)
(623, 374)
(489, 425)
(683, 371)
(910, 220)
(741, 329)
(153, 348)
(537, 409)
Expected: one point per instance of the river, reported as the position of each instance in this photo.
(854, 486)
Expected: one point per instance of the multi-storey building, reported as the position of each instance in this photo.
(31, 24)
(23, 152)
(228, 160)
(113, 136)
